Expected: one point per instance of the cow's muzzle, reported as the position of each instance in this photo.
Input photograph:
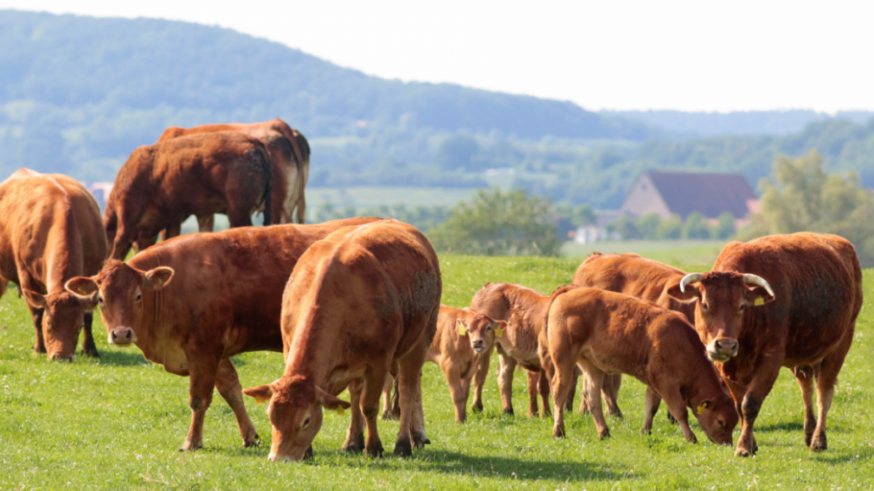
(722, 349)
(478, 345)
(122, 337)
(60, 357)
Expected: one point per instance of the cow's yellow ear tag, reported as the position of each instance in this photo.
(341, 410)
(462, 329)
(499, 332)
(701, 408)
(760, 301)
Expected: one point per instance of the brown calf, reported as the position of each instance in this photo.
(162, 184)
(637, 277)
(607, 332)
(51, 232)
(357, 302)
(523, 343)
(192, 302)
(783, 300)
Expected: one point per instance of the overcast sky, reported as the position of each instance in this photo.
(686, 55)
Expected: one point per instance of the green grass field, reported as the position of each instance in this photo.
(116, 423)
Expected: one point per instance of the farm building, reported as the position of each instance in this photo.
(683, 193)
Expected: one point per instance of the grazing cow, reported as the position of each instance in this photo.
(162, 184)
(524, 310)
(224, 298)
(289, 153)
(637, 277)
(607, 332)
(357, 302)
(783, 300)
(142, 242)
(51, 232)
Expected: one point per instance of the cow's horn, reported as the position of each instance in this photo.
(690, 278)
(751, 279)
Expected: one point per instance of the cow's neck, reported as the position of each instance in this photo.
(312, 349)
(530, 308)
(63, 251)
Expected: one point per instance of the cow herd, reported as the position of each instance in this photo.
(355, 304)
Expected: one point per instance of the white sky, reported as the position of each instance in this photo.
(604, 54)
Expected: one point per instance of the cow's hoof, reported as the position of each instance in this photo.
(744, 452)
(509, 410)
(354, 444)
(558, 432)
(374, 451)
(646, 431)
(190, 447)
(819, 443)
(252, 441)
(420, 440)
(604, 434)
(39, 350)
(672, 419)
(403, 449)
(617, 414)
(91, 352)
(387, 415)
(477, 407)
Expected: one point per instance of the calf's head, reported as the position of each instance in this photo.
(717, 417)
(723, 300)
(295, 412)
(481, 330)
(118, 290)
(62, 320)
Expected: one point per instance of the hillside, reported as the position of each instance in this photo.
(80, 93)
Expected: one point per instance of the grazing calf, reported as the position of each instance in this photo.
(784, 300)
(51, 232)
(162, 184)
(637, 277)
(358, 302)
(193, 302)
(523, 343)
(607, 332)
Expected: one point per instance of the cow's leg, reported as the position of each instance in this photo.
(595, 382)
(387, 403)
(531, 381)
(825, 386)
(585, 405)
(373, 383)
(677, 407)
(758, 389)
(123, 243)
(653, 399)
(612, 382)
(355, 434)
(543, 388)
(569, 405)
(479, 380)
(505, 382)
(39, 346)
(228, 384)
(206, 223)
(88, 346)
(456, 390)
(409, 387)
(301, 209)
(561, 382)
(203, 379)
(804, 376)
(238, 216)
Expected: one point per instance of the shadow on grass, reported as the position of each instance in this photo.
(784, 426)
(827, 457)
(122, 358)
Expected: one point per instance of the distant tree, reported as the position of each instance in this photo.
(725, 228)
(583, 215)
(671, 228)
(457, 152)
(626, 227)
(497, 223)
(648, 225)
(695, 227)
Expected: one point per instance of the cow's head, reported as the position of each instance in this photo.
(723, 298)
(717, 417)
(481, 330)
(62, 320)
(295, 413)
(118, 291)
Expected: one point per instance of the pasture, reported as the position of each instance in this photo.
(117, 422)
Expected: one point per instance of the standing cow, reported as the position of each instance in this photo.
(192, 302)
(640, 278)
(51, 232)
(783, 300)
(162, 184)
(357, 302)
(289, 152)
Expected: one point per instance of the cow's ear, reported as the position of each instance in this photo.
(35, 299)
(703, 406)
(157, 278)
(460, 327)
(691, 294)
(330, 402)
(758, 295)
(82, 287)
(261, 394)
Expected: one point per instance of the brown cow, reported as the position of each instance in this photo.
(162, 184)
(289, 152)
(224, 298)
(607, 332)
(783, 300)
(524, 310)
(640, 278)
(357, 302)
(51, 232)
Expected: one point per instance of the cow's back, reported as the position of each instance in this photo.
(817, 283)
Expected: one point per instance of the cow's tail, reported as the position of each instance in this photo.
(267, 198)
